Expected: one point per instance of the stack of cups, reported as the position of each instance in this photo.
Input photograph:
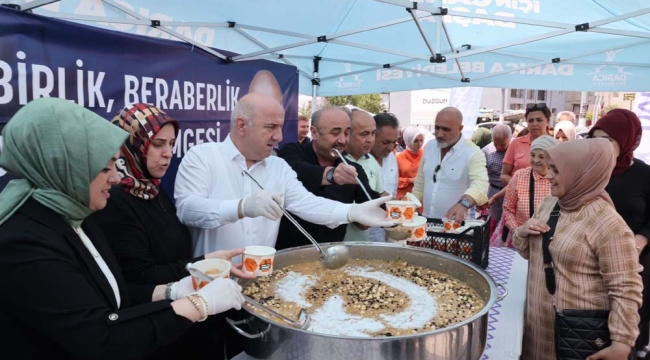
(404, 213)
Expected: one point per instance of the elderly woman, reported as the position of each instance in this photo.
(525, 191)
(631, 195)
(63, 294)
(565, 131)
(593, 252)
(408, 161)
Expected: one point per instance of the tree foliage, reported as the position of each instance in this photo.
(305, 109)
(368, 102)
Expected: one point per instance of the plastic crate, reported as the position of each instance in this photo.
(469, 246)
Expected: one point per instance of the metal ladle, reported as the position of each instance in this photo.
(303, 317)
(334, 257)
(336, 152)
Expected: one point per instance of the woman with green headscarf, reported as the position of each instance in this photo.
(63, 295)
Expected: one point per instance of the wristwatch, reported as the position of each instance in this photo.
(330, 176)
(466, 204)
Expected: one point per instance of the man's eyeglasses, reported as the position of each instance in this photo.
(538, 106)
(435, 172)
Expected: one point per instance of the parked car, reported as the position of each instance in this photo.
(491, 124)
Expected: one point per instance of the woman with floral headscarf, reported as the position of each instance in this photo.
(593, 254)
(63, 295)
(408, 161)
(150, 243)
(629, 188)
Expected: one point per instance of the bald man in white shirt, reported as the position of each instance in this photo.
(225, 209)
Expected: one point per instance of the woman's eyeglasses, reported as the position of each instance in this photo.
(435, 172)
(538, 106)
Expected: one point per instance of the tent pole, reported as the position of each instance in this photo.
(582, 118)
(315, 83)
(503, 104)
(439, 24)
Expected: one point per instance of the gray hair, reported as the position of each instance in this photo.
(315, 117)
(570, 114)
(245, 110)
(501, 131)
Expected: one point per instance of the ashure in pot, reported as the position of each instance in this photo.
(466, 340)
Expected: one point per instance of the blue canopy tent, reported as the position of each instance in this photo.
(367, 46)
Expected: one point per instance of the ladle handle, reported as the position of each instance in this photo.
(288, 216)
(356, 177)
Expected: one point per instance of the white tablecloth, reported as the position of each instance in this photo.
(506, 318)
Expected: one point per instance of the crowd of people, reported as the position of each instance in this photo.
(93, 249)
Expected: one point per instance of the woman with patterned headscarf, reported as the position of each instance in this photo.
(63, 295)
(150, 243)
(629, 188)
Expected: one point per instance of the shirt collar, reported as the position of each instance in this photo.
(458, 144)
(233, 154)
(363, 157)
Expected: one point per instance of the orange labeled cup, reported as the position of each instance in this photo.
(400, 211)
(215, 268)
(417, 228)
(450, 225)
(258, 260)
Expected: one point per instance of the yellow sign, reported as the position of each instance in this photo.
(629, 97)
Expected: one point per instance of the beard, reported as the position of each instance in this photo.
(442, 144)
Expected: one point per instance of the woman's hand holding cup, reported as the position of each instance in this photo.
(221, 295)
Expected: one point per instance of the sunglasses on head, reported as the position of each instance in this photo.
(538, 106)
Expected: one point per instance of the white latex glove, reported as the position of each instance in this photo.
(182, 288)
(221, 295)
(263, 203)
(370, 214)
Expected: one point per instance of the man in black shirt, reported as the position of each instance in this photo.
(323, 174)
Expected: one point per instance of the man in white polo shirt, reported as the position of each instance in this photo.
(362, 138)
(452, 177)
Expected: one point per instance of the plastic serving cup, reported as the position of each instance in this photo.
(417, 228)
(400, 211)
(215, 268)
(450, 225)
(258, 260)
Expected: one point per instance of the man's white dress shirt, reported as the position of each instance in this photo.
(210, 184)
(390, 173)
(461, 172)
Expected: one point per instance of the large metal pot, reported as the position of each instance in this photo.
(268, 339)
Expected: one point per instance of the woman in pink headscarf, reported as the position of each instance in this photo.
(629, 188)
(593, 253)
